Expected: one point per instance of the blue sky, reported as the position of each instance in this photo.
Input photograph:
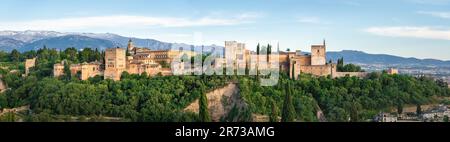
(408, 28)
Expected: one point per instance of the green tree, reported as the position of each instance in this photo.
(203, 108)
(67, 72)
(3, 101)
(15, 55)
(274, 113)
(258, 49)
(70, 54)
(288, 114)
(355, 111)
(418, 109)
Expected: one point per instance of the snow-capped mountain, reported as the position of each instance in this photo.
(76, 41)
(29, 36)
(33, 40)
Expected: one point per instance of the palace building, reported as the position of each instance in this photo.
(137, 60)
(84, 70)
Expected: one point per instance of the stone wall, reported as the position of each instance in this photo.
(115, 59)
(350, 74)
(58, 70)
(318, 55)
(29, 63)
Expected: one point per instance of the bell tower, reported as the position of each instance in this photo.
(130, 47)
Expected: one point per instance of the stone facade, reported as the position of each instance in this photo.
(350, 74)
(392, 71)
(235, 54)
(29, 63)
(58, 69)
(318, 55)
(139, 61)
(85, 70)
(115, 59)
(140, 68)
(144, 60)
(315, 64)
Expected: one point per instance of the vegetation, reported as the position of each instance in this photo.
(203, 110)
(136, 97)
(288, 108)
(162, 99)
(342, 99)
(348, 67)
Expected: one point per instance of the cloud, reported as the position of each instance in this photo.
(430, 2)
(126, 21)
(413, 32)
(445, 15)
(310, 20)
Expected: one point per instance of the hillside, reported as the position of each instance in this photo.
(220, 102)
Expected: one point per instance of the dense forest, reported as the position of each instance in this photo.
(162, 99)
(343, 99)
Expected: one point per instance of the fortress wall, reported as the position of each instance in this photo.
(350, 74)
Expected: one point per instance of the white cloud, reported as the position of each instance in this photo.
(430, 2)
(445, 15)
(414, 32)
(125, 21)
(310, 20)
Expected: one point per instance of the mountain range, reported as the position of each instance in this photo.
(33, 40)
(359, 57)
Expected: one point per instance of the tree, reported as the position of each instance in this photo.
(257, 49)
(288, 108)
(354, 112)
(203, 110)
(274, 113)
(399, 107)
(70, 54)
(293, 71)
(3, 102)
(269, 51)
(445, 118)
(67, 72)
(418, 109)
(15, 55)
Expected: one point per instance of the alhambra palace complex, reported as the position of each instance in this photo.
(144, 60)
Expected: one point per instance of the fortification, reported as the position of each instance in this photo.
(115, 63)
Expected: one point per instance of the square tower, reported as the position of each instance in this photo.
(318, 55)
(115, 63)
(29, 63)
(235, 53)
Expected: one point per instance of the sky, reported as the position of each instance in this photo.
(407, 28)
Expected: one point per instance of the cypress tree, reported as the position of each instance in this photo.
(203, 108)
(274, 113)
(288, 108)
(257, 49)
